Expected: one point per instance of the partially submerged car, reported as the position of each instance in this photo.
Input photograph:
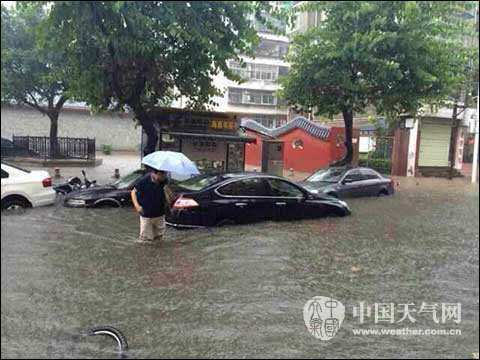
(22, 188)
(210, 200)
(116, 194)
(344, 182)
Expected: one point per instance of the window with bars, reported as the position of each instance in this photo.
(258, 71)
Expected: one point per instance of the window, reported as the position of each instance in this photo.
(242, 96)
(235, 96)
(268, 99)
(247, 187)
(128, 180)
(329, 175)
(283, 189)
(272, 49)
(269, 121)
(354, 175)
(252, 98)
(200, 182)
(368, 174)
(282, 71)
(4, 174)
(298, 144)
(255, 71)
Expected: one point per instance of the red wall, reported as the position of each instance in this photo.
(253, 151)
(316, 153)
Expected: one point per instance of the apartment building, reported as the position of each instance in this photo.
(256, 97)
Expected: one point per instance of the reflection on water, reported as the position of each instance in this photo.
(236, 291)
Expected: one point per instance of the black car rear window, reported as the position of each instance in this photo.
(200, 182)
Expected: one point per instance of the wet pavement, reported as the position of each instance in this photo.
(239, 291)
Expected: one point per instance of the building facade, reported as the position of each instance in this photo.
(212, 140)
(256, 97)
(306, 146)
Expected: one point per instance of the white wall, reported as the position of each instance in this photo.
(110, 129)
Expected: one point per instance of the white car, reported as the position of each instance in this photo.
(23, 188)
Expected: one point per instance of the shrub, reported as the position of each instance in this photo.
(107, 149)
(383, 166)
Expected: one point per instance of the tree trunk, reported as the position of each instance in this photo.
(150, 131)
(54, 150)
(347, 159)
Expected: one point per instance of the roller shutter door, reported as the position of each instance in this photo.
(434, 143)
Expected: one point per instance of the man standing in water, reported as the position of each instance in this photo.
(148, 197)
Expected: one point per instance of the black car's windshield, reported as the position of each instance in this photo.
(200, 182)
(127, 180)
(330, 175)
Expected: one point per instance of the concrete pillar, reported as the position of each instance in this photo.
(475, 147)
(412, 148)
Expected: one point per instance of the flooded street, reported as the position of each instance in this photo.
(239, 291)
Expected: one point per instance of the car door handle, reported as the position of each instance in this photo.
(241, 204)
(281, 203)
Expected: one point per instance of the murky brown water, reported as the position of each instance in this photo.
(239, 291)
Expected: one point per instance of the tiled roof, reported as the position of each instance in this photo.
(255, 126)
(318, 131)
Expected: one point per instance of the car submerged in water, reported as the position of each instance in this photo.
(115, 194)
(210, 200)
(345, 182)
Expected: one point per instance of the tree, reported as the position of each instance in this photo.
(134, 55)
(32, 72)
(393, 55)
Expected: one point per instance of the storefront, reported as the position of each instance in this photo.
(212, 140)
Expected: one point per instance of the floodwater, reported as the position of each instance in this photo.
(239, 291)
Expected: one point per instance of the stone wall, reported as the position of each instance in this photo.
(116, 130)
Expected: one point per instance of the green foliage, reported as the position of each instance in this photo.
(32, 70)
(138, 54)
(107, 149)
(393, 55)
(383, 166)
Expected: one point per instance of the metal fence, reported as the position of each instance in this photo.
(380, 159)
(62, 148)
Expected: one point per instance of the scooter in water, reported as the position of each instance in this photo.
(74, 183)
(87, 183)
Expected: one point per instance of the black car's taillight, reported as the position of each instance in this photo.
(183, 202)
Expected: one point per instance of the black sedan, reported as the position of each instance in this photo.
(343, 182)
(210, 200)
(116, 194)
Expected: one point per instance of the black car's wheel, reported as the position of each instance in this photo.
(107, 204)
(15, 204)
(383, 192)
(224, 222)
